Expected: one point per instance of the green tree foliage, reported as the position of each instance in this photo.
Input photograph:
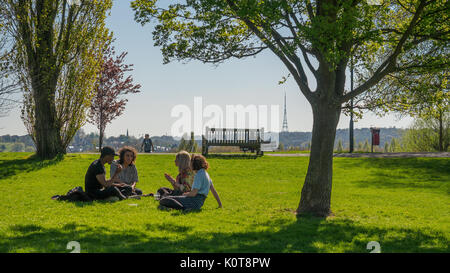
(419, 94)
(394, 145)
(340, 147)
(366, 147)
(58, 46)
(183, 145)
(360, 146)
(18, 147)
(191, 146)
(8, 83)
(315, 36)
(424, 135)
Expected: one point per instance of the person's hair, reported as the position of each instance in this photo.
(199, 162)
(184, 161)
(122, 152)
(105, 151)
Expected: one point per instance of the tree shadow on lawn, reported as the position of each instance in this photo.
(232, 156)
(32, 163)
(401, 172)
(307, 234)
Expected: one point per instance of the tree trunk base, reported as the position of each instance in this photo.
(312, 213)
(316, 192)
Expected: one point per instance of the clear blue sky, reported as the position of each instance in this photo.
(249, 81)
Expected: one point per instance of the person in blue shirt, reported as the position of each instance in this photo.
(195, 198)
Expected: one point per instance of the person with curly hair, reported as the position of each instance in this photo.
(126, 180)
(195, 198)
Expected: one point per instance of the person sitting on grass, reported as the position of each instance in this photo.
(194, 199)
(126, 180)
(96, 185)
(185, 177)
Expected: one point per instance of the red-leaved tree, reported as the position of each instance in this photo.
(108, 102)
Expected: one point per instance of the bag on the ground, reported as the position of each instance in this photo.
(74, 195)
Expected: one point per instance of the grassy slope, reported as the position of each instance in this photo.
(401, 203)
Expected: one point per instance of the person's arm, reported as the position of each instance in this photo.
(176, 186)
(216, 195)
(199, 181)
(119, 183)
(170, 179)
(101, 178)
(191, 193)
(113, 170)
(135, 177)
(115, 177)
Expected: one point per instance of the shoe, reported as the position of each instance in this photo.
(148, 195)
(56, 197)
(157, 197)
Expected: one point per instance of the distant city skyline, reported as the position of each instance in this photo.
(251, 81)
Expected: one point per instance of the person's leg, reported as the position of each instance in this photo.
(186, 203)
(108, 192)
(126, 190)
(176, 193)
(138, 191)
(170, 202)
(191, 203)
(163, 192)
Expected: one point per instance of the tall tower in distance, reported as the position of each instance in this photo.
(285, 124)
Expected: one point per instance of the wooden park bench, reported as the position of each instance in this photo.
(245, 139)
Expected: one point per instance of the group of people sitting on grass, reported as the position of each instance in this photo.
(189, 189)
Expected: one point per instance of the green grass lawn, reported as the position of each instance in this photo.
(403, 204)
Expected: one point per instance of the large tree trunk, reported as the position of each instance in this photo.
(48, 141)
(44, 78)
(46, 128)
(316, 193)
(441, 132)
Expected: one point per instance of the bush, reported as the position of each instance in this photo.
(423, 135)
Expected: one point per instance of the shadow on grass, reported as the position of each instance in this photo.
(233, 156)
(430, 173)
(304, 235)
(32, 163)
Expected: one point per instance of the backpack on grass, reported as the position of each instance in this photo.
(74, 195)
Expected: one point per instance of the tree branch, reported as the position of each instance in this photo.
(296, 38)
(389, 64)
(303, 86)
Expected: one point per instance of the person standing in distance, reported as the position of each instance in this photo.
(148, 145)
